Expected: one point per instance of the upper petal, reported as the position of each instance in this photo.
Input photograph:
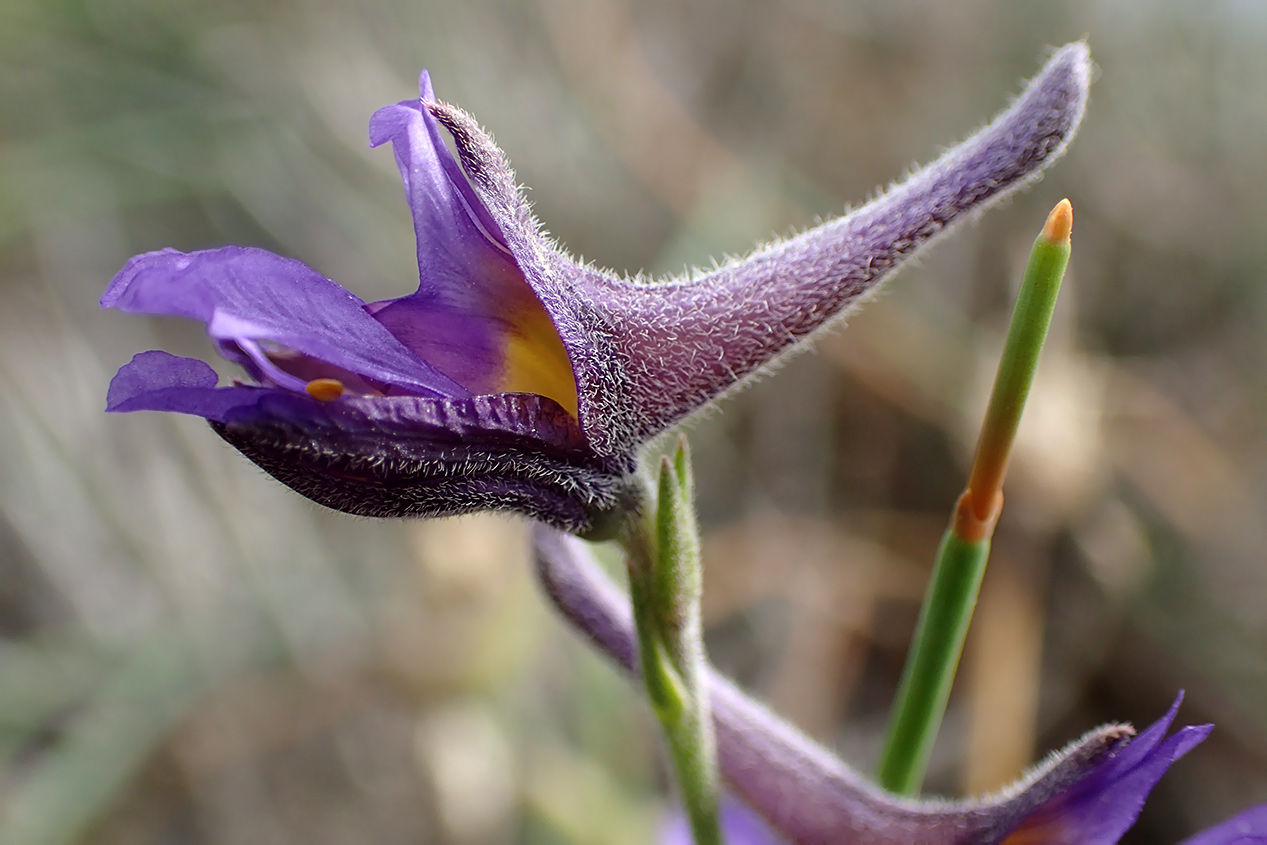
(474, 316)
(438, 194)
(252, 294)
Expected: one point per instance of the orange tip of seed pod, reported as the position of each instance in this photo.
(1059, 224)
(324, 389)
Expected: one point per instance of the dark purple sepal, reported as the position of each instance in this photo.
(647, 354)
(412, 456)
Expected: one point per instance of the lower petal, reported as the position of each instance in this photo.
(159, 381)
(254, 295)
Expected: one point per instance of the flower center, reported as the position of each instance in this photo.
(324, 389)
(535, 360)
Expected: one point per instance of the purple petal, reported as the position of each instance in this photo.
(1247, 828)
(458, 340)
(1142, 747)
(439, 196)
(1102, 807)
(472, 301)
(254, 295)
(158, 381)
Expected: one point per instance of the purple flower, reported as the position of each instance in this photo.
(515, 377)
(740, 826)
(1090, 793)
(1247, 828)
(1105, 803)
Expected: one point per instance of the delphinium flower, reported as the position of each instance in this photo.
(515, 377)
(1090, 793)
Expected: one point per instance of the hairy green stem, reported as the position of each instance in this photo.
(663, 561)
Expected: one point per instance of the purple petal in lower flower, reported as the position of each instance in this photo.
(1102, 806)
(1247, 828)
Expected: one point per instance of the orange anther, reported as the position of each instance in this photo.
(324, 389)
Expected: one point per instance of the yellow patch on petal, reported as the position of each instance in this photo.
(536, 361)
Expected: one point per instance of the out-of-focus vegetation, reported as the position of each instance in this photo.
(193, 654)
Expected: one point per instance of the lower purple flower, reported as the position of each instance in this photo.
(1103, 805)
(1247, 828)
(1089, 793)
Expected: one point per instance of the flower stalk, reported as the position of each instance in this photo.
(961, 558)
(665, 583)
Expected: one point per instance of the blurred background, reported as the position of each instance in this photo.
(190, 653)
